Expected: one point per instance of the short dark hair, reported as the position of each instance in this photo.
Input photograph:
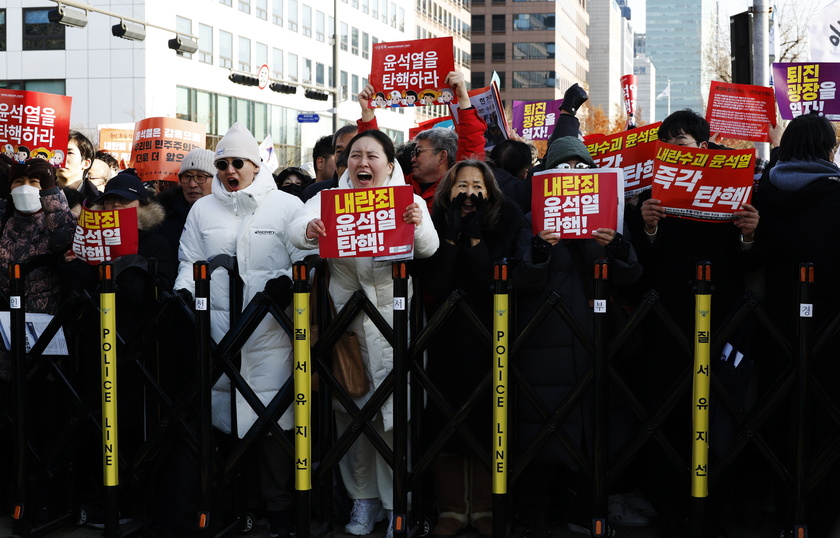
(685, 121)
(404, 154)
(809, 137)
(341, 132)
(108, 159)
(495, 198)
(512, 156)
(86, 149)
(323, 148)
(379, 136)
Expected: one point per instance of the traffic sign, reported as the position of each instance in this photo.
(308, 118)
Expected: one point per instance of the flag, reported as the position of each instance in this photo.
(268, 155)
(824, 34)
(666, 92)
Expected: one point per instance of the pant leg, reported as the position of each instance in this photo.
(358, 466)
(275, 475)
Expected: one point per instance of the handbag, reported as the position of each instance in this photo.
(348, 367)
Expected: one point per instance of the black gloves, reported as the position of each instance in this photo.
(573, 98)
(454, 222)
(618, 248)
(540, 249)
(474, 220)
(280, 290)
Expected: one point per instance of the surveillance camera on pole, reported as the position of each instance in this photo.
(183, 44)
(129, 30)
(68, 17)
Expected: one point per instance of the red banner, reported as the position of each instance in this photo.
(160, 144)
(629, 84)
(575, 203)
(412, 73)
(741, 111)
(102, 236)
(702, 184)
(367, 222)
(632, 151)
(34, 124)
(117, 142)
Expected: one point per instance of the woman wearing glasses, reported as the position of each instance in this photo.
(247, 217)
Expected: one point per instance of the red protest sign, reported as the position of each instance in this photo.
(117, 142)
(34, 124)
(575, 203)
(412, 73)
(633, 151)
(367, 222)
(702, 184)
(160, 144)
(629, 84)
(102, 236)
(741, 111)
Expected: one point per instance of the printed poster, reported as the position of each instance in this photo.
(632, 151)
(160, 144)
(629, 85)
(803, 87)
(488, 104)
(36, 324)
(367, 223)
(702, 184)
(102, 236)
(535, 120)
(741, 111)
(117, 142)
(575, 203)
(412, 73)
(34, 124)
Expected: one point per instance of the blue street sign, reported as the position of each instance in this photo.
(308, 118)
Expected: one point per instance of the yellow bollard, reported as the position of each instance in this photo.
(500, 380)
(303, 382)
(108, 325)
(701, 384)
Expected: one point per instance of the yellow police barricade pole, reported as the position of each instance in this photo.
(700, 398)
(303, 397)
(500, 398)
(110, 452)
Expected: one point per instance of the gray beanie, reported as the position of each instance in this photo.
(565, 148)
(239, 142)
(199, 159)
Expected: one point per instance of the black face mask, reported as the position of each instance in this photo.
(293, 188)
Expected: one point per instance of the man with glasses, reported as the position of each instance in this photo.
(195, 180)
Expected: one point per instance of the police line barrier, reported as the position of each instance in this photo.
(797, 380)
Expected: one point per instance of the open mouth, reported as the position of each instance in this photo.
(364, 178)
(233, 184)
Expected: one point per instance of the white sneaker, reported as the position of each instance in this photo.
(390, 532)
(365, 514)
(637, 501)
(619, 512)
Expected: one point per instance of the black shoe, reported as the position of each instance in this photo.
(281, 524)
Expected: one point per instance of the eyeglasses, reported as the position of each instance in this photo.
(567, 165)
(200, 179)
(223, 165)
(418, 150)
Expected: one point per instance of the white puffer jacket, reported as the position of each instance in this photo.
(252, 225)
(348, 275)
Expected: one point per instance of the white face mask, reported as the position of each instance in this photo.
(27, 199)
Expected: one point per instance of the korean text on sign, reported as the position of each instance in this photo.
(411, 70)
(576, 203)
(805, 87)
(631, 151)
(105, 235)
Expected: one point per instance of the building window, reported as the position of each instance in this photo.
(401, 21)
(228, 3)
(533, 21)
(2, 29)
(478, 52)
(365, 45)
(502, 84)
(533, 51)
(498, 52)
(262, 55)
(39, 33)
(383, 10)
(57, 87)
(276, 63)
(244, 54)
(293, 67)
(499, 23)
(262, 9)
(245, 6)
(293, 15)
(307, 21)
(354, 41)
(344, 86)
(184, 26)
(478, 24)
(533, 79)
(225, 49)
(320, 32)
(365, 6)
(205, 43)
(344, 29)
(307, 71)
(319, 74)
(277, 12)
(393, 13)
(354, 94)
(477, 79)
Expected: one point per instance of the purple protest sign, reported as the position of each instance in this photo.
(535, 120)
(803, 87)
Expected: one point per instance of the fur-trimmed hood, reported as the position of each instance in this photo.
(149, 216)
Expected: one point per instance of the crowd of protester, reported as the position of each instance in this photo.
(469, 210)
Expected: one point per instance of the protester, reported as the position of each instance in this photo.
(371, 163)
(511, 161)
(103, 168)
(340, 139)
(77, 162)
(247, 217)
(293, 180)
(323, 159)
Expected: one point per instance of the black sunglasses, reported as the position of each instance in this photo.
(237, 163)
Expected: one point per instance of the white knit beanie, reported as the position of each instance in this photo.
(199, 159)
(239, 142)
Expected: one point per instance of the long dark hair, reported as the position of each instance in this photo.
(495, 197)
(809, 137)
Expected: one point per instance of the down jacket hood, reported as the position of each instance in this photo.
(149, 216)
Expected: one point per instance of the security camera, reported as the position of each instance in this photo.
(183, 44)
(68, 17)
(130, 31)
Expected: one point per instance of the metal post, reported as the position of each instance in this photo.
(110, 447)
(700, 400)
(17, 302)
(761, 56)
(201, 277)
(501, 328)
(599, 460)
(303, 398)
(801, 420)
(400, 275)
